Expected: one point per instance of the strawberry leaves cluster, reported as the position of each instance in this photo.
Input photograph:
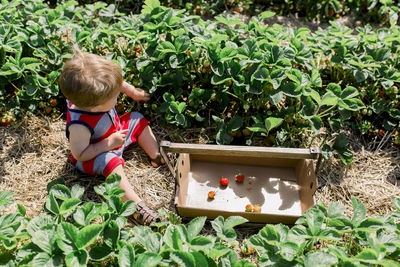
(71, 232)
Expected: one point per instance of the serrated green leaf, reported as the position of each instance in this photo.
(6, 199)
(87, 235)
(195, 226)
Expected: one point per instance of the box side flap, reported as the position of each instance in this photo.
(182, 173)
(307, 183)
(263, 152)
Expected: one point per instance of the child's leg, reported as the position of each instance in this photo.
(149, 143)
(130, 193)
(143, 214)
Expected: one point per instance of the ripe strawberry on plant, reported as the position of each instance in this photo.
(239, 178)
(381, 132)
(224, 181)
(249, 208)
(211, 194)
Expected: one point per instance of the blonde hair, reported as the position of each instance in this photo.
(88, 80)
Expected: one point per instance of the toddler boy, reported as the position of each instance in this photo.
(97, 135)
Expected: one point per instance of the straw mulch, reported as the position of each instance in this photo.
(35, 152)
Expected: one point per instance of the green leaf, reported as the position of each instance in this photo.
(185, 259)
(367, 254)
(126, 256)
(359, 211)
(69, 205)
(149, 6)
(39, 222)
(201, 259)
(60, 191)
(21, 210)
(233, 221)
(195, 226)
(45, 239)
(349, 92)
(360, 75)
(167, 47)
(272, 122)
(261, 74)
(329, 99)
(172, 238)
(244, 263)
(316, 123)
(87, 235)
(291, 89)
(266, 14)
(67, 237)
(51, 204)
(396, 203)
(215, 79)
(6, 199)
(100, 253)
(77, 191)
(30, 85)
(320, 258)
(182, 43)
(227, 53)
(111, 234)
(235, 123)
(115, 203)
(128, 208)
(77, 258)
(335, 89)
(315, 219)
(308, 106)
(295, 75)
(289, 250)
(201, 243)
(336, 209)
(148, 259)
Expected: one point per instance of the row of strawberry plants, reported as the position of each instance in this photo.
(376, 11)
(246, 80)
(73, 233)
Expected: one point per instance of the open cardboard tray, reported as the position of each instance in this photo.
(281, 180)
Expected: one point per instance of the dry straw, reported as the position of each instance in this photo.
(35, 151)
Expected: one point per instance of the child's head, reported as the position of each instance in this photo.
(88, 80)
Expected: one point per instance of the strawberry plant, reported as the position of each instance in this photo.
(247, 81)
(73, 233)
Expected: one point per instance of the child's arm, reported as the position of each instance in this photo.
(82, 150)
(135, 93)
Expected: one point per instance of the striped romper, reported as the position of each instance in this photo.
(101, 125)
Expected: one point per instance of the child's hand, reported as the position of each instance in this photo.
(117, 139)
(135, 93)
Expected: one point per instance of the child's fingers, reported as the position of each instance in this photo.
(124, 131)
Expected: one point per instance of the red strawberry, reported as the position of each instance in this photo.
(211, 194)
(381, 132)
(249, 208)
(239, 178)
(224, 181)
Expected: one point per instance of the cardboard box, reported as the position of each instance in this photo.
(281, 180)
